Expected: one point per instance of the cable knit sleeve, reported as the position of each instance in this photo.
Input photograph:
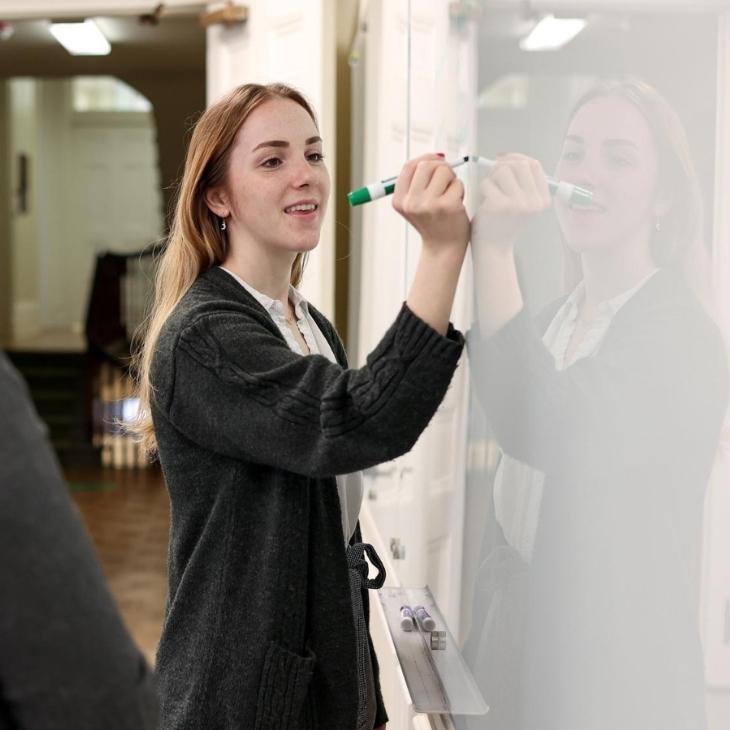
(232, 385)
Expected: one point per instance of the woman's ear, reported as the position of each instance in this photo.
(217, 201)
(662, 205)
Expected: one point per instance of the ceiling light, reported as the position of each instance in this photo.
(81, 38)
(552, 33)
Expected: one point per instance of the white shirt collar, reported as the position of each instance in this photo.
(608, 307)
(274, 306)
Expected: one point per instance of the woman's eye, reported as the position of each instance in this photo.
(571, 155)
(273, 162)
(620, 161)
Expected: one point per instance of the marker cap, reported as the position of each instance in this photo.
(579, 196)
(359, 196)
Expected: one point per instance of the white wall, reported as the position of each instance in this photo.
(716, 574)
(24, 226)
(113, 197)
(54, 122)
(94, 186)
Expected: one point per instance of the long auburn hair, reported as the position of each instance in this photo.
(196, 242)
(679, 244)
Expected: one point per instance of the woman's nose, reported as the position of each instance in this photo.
(302, 173)
(581, 172)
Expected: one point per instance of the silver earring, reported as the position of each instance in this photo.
(223, 224)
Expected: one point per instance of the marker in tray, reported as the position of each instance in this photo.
(424, 619)
(406, 618)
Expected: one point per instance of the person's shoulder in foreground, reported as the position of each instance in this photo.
(66, 660)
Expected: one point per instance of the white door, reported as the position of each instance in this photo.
(289, 41)
(113, 204)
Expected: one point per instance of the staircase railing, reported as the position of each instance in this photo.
(121, 294)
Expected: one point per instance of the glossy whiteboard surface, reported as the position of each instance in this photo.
(567, 507)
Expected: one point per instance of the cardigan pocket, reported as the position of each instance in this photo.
(282, 695)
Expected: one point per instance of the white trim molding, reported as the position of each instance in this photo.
(27, 9)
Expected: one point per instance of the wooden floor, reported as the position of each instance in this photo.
(127, 514)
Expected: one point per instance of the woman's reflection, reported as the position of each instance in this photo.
(607, 408)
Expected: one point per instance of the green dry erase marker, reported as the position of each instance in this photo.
(565, 191)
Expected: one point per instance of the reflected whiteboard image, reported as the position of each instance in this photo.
(599, 388)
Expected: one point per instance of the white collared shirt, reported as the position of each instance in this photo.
(349, 486)
(517, 486)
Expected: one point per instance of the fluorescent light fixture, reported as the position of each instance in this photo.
(552, 33)
(82, 38)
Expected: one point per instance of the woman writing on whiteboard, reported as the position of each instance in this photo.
(248, 400)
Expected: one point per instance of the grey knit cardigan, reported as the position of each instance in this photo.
(259, 631)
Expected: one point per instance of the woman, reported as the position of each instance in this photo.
(254, 414)
(608, 410)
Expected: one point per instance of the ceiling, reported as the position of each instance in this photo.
(176, 44)
(613, 42)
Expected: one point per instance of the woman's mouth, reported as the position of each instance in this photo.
(305, 211)
(592, 208)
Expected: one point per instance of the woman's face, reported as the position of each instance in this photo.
(609, 150)
(276, 163)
